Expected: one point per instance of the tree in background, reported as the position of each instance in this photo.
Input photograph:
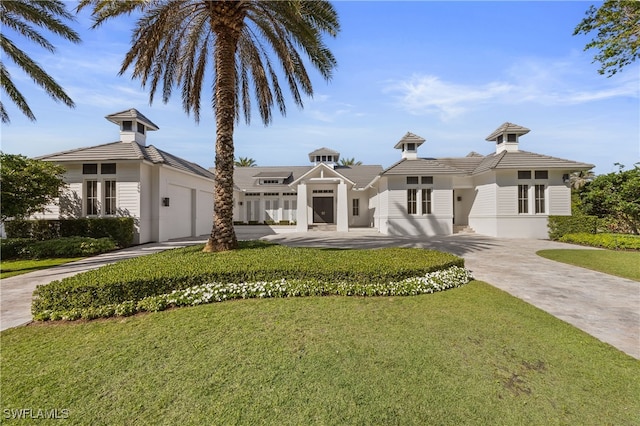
(615, 196)
(245, 162)
(618, 34)
(175, 42)
(25, 17)
(581, 178)
(350, 162)
(27, 185)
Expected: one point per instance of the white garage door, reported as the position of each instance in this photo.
(180, 217)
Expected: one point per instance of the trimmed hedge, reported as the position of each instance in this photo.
(119, 229)
(561, 225)
(23, 248)
(160, 273)
(608, 241)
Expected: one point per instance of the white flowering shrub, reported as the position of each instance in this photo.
(431, 282)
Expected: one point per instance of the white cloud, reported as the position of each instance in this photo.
(529, 81)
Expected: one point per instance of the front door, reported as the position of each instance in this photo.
(322, 209)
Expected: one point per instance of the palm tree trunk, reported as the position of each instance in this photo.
(223, 236)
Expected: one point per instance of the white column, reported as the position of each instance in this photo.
(342, 222)
(301, 214)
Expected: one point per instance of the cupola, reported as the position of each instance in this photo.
(506, 137)
(133, 125)
(409, 145)
(324, 155)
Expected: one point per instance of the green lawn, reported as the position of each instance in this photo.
(624, 264)
(10, 268)
(471, 355)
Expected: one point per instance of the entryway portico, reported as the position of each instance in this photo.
(322, 198)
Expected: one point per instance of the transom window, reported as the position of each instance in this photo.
(323, 191)
(108, 168)
(524, 174)
(90, 169)
(541, 174)
(412, 180)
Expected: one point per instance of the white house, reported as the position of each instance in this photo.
(508, 193)
(167, 196)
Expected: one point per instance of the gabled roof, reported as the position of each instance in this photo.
(527, 160)
(326, 167)
(131, 114)
(361, 175)
(118, 151)
(507, 128)
(409, 138)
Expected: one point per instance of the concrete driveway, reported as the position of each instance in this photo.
(602, 305)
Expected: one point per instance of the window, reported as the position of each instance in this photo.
(355, 206)
(500, 139)
(511, 137)
(90, 169)
(427, 180)
(541, 174)
(539, 198)
(108, 168)
(323, 191)
(426, 201)
(141, 128)
(92, 198)
(270, 181)
(252, 194)
(412, 180)
(524, 174)
(271, 194)
(127, 126)
(412, 201)
(523, 198)
(411, 146)
(110, 197)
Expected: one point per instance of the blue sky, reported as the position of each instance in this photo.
(451, 72)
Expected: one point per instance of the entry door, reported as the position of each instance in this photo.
(322, 209)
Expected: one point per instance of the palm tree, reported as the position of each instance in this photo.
(350, 162)
(245, 162)
(25, 18)
(581, 178)
(175, 40)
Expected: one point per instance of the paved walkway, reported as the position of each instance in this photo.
(602, 305)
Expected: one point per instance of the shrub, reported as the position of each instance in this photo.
(561, 225)
(68, 247)
(119, 229)
(608, 241)
(12, 248)
(160, 273)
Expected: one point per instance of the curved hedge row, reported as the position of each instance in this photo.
(432, 282)
(160, 273)
(608, 241)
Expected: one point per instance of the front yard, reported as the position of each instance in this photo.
(471, 354)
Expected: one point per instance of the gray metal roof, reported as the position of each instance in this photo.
(118, 151)
(528, 160)
(131, 114)
(409, 138)
(273, 174)
(244, 178)
(507, 128)
(430, 166)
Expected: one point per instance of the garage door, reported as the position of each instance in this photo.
(178, 223)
